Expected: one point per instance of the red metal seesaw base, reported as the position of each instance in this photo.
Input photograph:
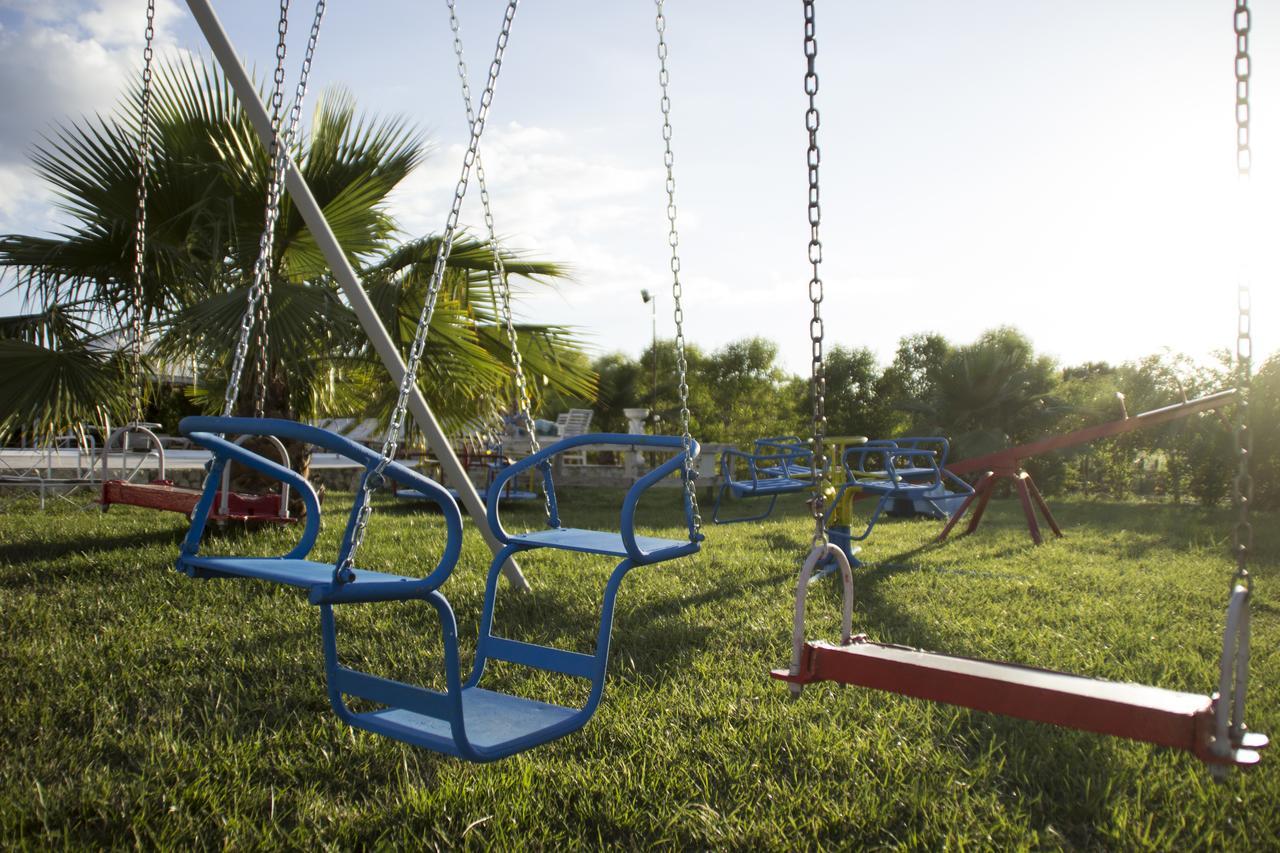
(165, 496)
(1028, 494)
(1135, 711)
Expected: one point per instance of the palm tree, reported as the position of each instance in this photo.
(990, 394)
(206, 191)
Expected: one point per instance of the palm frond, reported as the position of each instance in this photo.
(54, 390)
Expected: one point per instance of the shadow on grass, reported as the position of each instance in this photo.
(44, 551)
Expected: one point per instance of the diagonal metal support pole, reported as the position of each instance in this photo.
(312, 214)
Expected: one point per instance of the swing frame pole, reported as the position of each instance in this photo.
(309, 209)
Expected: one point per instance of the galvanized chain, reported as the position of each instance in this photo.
(140, 226)
(1242, 485)
(1244, 155)
(283, 143)
(261, 266)
(673, 238)
(818, 461)
(410, 379)
(524, 402)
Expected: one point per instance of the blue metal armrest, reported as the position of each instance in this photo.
(223, 451)
(780, 442)
(542, 460)
(754, 460)
(202, 429)
(937, 443)
(886, 452)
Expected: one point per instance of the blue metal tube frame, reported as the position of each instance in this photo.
(542, 459)
(202, 430)
(885, 481)
(774, 482)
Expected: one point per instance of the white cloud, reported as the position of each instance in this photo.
(557, 202)
(25, 200)
(61, 61)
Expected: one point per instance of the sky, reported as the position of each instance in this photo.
(1068, 169)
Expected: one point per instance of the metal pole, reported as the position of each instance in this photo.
(312, 214)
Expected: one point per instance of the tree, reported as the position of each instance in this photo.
(745, 393)
(990, 394)
(206, 191)
(1264, 419)
(859, 400)
(917, 365)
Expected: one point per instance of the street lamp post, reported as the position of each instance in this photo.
(651, 300)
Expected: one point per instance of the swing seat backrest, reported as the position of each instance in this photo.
(624, 542)
(937, 443)
(294, 568)
(887, 466)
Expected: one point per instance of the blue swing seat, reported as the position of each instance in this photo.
(897, 470)
(300, 573)
(602, 542)
(464, 720)
(941, 500)
(795, 464)
(770, 469)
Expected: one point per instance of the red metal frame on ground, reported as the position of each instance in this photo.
(1134, 711)
(1007, 464)
(165, 496)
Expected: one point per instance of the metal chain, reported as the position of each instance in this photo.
(280, 163)
(257, 304)
(524, 402)
(409, 381)
(140, 226)
(818, 461)
(1242, 485)
(265, 241)
(1244, 155)
(673, 238)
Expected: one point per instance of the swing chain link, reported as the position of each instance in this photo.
(524, 403)
(280, 162)
(673, 238)
(1243, 21)
(818, 461)
(278, 154)
(1242, 485)
(409, 380)
(140, 224)
(270, 219)
(258, 287)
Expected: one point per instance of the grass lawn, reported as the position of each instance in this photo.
(142, 706)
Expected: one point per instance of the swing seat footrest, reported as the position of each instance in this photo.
(1134, 711)
(496, 724)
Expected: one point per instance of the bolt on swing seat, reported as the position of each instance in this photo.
(464, 720)
(1192, 722)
